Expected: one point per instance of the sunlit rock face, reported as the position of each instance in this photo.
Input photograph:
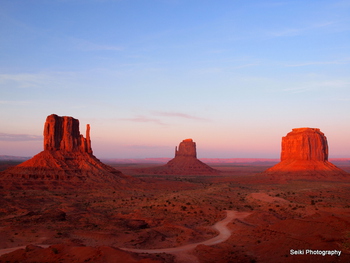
(305, 144)
(305, 153)
(67, 160)
(62, 133)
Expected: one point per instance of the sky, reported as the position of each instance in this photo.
(234, 75)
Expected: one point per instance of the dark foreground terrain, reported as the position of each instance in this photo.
(84, 225)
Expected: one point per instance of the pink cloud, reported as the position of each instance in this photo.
(19, 137)
(143, 119)
(179, 115)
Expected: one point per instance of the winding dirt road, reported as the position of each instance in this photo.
(221, 227)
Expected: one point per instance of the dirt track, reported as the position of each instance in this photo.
(221, 227)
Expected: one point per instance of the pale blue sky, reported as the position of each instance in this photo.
(235, 76)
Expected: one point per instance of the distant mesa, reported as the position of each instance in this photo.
(184, 163)
(187, 148)
(305, 153)
(67, 159)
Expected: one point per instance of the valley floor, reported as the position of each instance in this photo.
(172, 211)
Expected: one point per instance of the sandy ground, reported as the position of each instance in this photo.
(9, 250)
(184, 217)
(267, 198)
(221, 227)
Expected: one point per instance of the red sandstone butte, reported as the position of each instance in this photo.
(67, 159)
(184, 163)
(305, 153)
(62, 133)
(187, 148)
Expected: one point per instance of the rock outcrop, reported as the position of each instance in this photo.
(305, 154)
(184, 163)
(187, 148)
(308, 144)
(66, 161)
(62, 133)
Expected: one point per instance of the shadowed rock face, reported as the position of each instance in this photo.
(187, 148)
(67, 159)
(186, 162)
(305, 153)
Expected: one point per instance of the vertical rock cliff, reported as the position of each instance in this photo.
(62, 134)
(187, 148)
(305, 144)
(305, 154)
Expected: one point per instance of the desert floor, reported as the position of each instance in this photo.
(169, 211)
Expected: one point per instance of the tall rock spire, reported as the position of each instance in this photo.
(88, 141)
